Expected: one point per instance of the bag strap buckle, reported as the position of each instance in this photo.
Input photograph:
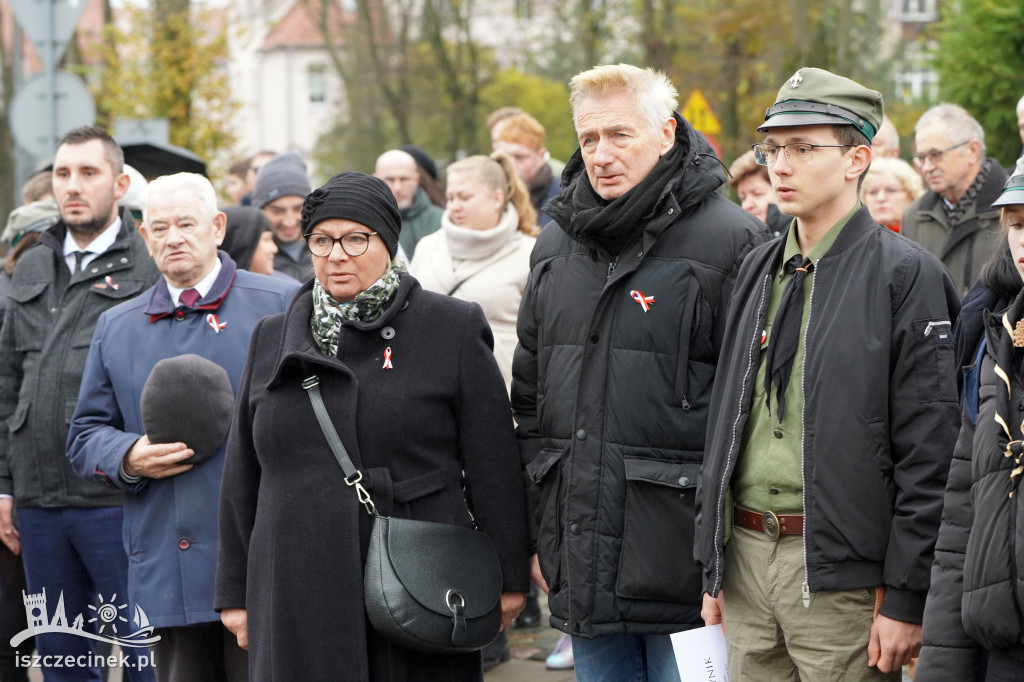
(362, 493)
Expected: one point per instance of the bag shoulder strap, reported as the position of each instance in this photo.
(352, 475)
(476, 272)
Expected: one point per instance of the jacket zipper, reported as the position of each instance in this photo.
(734, 445)
(805, 590)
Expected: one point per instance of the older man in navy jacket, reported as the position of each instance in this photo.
(202, 306)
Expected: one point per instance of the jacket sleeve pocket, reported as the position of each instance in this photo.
(934, 349)
(545, 475)
(656, 560)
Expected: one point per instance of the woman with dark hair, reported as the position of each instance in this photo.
(249, 240)
(972, 623)
(414, 392)
(430, 183)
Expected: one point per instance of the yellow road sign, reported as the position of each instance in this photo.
(698, 112)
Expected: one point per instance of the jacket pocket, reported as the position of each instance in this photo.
(102, 297)
(17, 420)
(656, 560)
(935, 378)
(31, 318)
(546, 477)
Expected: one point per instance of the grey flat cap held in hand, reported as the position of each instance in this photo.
(188, 399)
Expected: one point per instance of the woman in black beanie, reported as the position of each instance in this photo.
(249, 240)
(412, 387)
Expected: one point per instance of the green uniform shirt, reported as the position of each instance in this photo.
(768, 473)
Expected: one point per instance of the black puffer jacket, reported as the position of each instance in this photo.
(611, 396)
(974, 602)
(879, 413)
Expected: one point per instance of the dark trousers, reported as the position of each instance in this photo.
(77, 552)
(12, 616)
(205, 652)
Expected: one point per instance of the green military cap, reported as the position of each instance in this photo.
(817, 97)
(1013, 190)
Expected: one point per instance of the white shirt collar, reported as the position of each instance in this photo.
(103, 241)
(203, 286)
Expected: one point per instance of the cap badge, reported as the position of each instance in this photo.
(796, 80)
(387, 359)
(644, 301)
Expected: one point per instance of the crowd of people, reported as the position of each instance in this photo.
(796, 414)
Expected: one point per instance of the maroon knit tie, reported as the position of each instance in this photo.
(189, 298)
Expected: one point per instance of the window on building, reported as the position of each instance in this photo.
(317, 76)
(918, 10)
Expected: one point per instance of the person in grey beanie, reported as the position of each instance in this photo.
(281, 187)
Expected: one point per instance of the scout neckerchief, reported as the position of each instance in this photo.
(786, 333)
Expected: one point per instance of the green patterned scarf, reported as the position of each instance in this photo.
(329, 314)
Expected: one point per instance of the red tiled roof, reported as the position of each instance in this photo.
(300, 27)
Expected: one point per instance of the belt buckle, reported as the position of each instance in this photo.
(771, 525)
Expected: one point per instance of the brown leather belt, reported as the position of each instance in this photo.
(771, 524)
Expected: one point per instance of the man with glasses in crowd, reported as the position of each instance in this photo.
(833, 416)
(419, 217)
(954, 219)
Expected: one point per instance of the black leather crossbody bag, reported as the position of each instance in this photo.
(428, 586)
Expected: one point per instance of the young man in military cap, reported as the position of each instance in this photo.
(834, 415)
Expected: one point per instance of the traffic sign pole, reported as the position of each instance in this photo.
(53, 101)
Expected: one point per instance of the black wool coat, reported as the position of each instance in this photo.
(293, 536)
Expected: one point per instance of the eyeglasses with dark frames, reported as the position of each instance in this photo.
(353, 243)
(935, 155)
(798, 153)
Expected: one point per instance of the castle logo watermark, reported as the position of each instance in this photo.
(110, 620)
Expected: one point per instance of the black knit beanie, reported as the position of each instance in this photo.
(423, 159)
(282, 176)
(358, 197)
(246, 225)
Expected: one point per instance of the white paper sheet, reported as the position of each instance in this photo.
(700, 654)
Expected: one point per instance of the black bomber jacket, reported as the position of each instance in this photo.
(880, 413)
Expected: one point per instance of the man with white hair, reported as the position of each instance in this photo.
(161, 440)
(954, 219)
(619, 332)
(1020, 121)
(419, 217)
(886, 142)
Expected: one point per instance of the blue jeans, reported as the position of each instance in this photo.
(78, 551)
(625, 658)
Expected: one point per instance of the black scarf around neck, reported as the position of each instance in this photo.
(614, 224)
(955, 214)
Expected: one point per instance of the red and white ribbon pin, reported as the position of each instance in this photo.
(110, 283)
(644, 301)
(387, 358)
(216, 326)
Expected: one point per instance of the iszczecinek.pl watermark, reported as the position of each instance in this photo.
(118, 660)
(106, 616)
